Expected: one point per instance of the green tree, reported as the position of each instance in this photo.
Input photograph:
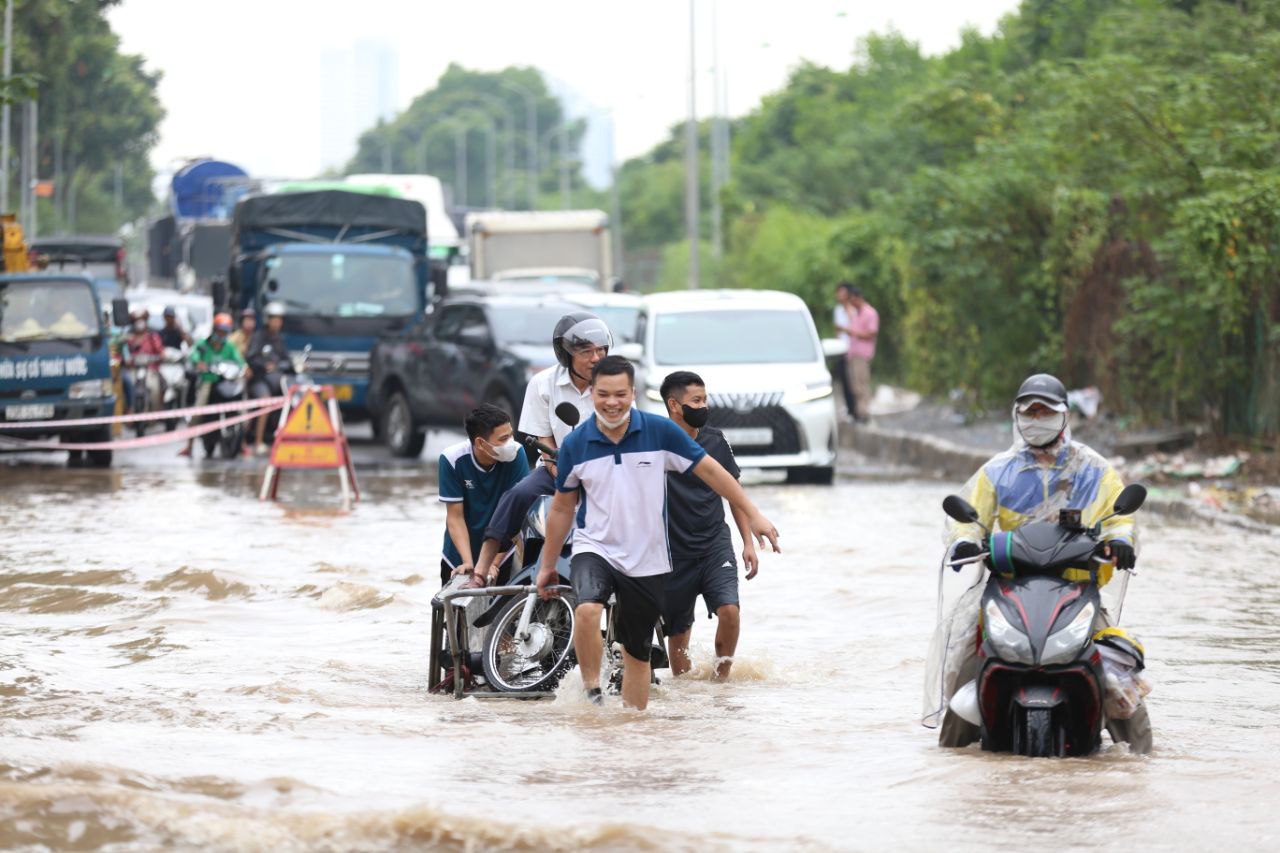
(98, 114)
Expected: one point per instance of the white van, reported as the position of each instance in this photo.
(767, 379)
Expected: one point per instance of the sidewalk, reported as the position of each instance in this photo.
(1184, 482)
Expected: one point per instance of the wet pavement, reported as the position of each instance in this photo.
(183, 665)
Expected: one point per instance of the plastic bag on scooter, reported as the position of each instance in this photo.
(953, 649)
(1124, 682)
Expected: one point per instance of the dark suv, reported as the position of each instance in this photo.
(470, 349)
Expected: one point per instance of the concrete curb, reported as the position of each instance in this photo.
(947, 460)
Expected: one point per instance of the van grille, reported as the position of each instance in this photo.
(786, 433)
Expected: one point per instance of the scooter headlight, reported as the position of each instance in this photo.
(1008, 642)
(1063, 646)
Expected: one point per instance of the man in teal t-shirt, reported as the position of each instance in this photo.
(474, 474)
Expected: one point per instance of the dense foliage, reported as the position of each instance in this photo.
(1093, 190)
(98, 115)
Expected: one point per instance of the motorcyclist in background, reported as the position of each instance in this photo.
(268, 358)
(209, 353)
(172, 334)
(1045, 471)
(141, 344)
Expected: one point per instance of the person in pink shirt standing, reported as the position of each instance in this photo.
(862, 329)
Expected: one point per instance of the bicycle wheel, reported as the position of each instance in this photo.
(538, 661)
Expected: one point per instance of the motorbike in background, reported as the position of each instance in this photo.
(147, 388)
(229, 387)
(174, 381)
(1042, 679)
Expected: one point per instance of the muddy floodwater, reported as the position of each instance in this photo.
(183, 666)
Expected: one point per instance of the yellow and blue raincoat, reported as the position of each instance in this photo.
(1013, 488)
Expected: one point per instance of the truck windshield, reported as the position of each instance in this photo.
(46, 311)
(733, 337)
(343, 285)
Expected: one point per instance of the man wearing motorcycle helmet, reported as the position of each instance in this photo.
(268, 357)
(579, 340)
(172, 333)
(206, 356)
(1043, 473)
(141, 345)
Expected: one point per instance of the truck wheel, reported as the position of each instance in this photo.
(399, 430)
(101, 458)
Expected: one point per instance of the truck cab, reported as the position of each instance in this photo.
(348, 266)
(55, 361)
(338, 298)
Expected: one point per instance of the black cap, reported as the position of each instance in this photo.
(1043, 388)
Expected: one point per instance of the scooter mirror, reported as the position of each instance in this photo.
(960, 509)
(1130, 499)
(568, 413)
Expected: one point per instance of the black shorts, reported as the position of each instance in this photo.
(639, 600)
(714, 576)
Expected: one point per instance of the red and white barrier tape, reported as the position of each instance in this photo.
(272, 403)
(9, 443)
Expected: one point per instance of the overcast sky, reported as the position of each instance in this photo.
(241, 77)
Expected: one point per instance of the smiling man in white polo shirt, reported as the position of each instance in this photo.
(611, 489)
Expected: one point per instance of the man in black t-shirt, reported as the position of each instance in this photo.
(702, 557)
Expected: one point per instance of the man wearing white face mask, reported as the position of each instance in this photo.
(474, 475)
(1044, 472)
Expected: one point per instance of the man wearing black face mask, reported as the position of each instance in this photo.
(702, 558)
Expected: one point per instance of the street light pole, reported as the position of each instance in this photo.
(691, 159)
(490, 154)
(531, 119)
(508, 130)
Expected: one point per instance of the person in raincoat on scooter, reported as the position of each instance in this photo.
(1044, 472)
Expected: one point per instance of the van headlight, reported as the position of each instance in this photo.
(89, 388)
(811, 391)
(1009, 643)
(1063, 646)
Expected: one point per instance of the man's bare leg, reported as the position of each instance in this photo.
(728, 623)
(678, 652)
(636, 676)
(587, 642)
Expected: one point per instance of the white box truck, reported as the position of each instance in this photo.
(543, 246)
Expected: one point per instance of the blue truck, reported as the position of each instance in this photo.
(55, 358)
(348, 266)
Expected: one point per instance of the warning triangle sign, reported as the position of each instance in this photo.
(309, 419)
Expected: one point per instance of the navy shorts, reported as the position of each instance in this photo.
(639, 600)
(714, 576)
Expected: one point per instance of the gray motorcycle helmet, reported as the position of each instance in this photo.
(576, 329)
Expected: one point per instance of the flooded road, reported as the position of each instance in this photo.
(182, 665)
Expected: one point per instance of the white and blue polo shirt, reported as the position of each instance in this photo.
(622, 508)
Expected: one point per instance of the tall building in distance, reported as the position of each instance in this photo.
(358, 88)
